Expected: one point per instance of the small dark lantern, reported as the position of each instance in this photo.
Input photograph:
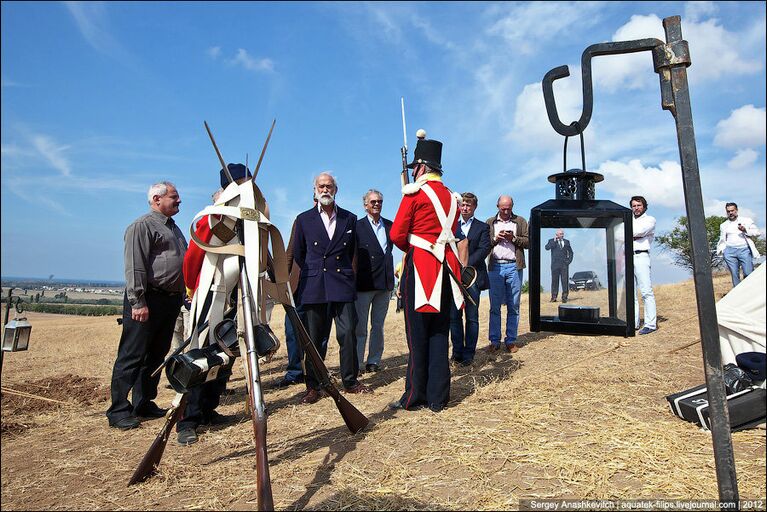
(600, 235)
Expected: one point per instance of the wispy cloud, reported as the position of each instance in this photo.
(53, 153)
(244, 59)
(214, 52)
(92, 20)
(4, 82)
(743, 159)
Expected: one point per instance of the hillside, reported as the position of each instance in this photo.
(565, 417)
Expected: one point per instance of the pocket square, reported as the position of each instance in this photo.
(348, 231)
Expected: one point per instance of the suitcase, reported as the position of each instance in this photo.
(747, 408)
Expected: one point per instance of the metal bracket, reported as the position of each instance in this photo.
(249, 214)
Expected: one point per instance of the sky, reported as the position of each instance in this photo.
(100, 100)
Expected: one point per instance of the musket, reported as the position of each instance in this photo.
(255, 395)
(404, 176)
(148, 465)
(354, 419)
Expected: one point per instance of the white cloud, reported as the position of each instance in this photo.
(53, 153)
(214, 52)
(525, 26)
(695, 11)
(716, 207)
(743, 159)
(663, 184)
(744, 128)
(714, 52)
(244, 59)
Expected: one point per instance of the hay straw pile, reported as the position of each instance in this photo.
(565, 417)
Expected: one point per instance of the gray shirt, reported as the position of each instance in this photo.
(154, 257)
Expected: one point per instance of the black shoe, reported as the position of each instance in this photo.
(284, 383)
(467, 362)
(151, 411)
(127, 423)
(554, 299)
(218, 419)
(187, 436)
(564, 300)
(397, 404)
(436, 407)
(372, 368)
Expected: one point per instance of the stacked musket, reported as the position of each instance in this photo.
(244, 262)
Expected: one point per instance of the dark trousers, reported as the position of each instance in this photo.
(143, 346)
(428, 371)
(560, 274)
(465, 341)
(318, 319)
(201, 401)
(295, 370)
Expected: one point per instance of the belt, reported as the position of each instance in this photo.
(641, 251)
(504, 261)
(160, 291)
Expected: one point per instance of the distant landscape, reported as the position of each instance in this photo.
(65, 296)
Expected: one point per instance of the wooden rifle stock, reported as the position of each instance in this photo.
(354, 419)
(148, 465)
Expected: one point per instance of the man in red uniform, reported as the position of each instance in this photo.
(424, 229)
(202, 400)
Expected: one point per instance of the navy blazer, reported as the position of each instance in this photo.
(479, 248)
(326, 265)
(375, 267)
(560, 256)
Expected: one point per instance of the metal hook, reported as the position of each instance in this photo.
(577, 127)
(594, 50)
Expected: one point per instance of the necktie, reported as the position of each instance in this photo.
(561, 244)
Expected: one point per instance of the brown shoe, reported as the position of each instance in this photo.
(359, 388)
(492, 348)
(513, 349)
(311, 396)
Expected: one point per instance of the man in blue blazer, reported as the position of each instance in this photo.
(478, 234)
(375, 279)
(324, 247)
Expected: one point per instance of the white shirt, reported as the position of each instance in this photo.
(328, 220)
(504, 250)
(731, 236)
(465, 225)
(644, 232)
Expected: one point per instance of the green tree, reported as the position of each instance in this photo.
(677, 242)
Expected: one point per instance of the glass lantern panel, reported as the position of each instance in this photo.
(595, 278)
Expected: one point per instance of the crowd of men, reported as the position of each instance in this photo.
(342, 272)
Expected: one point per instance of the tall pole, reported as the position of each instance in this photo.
(701, 263)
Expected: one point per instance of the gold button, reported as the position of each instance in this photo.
(338, 257)
(315, 243)
(338, 270)
(324, 270)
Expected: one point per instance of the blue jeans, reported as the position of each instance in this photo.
(465, 346)
(372, 304)
(643, 286)
(505, 288)
(736, 257)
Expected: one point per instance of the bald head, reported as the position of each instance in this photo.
(505, 205)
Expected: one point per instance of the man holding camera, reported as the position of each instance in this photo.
(736, 244)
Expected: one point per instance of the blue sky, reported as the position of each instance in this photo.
(99, 100)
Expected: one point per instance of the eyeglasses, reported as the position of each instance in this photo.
(376, 201)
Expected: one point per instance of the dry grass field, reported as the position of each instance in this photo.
(565, 417)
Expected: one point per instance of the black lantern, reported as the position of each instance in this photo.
(598, 294)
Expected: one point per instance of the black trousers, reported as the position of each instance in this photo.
(317, 318)
(560, 274)
(201, 401)
(428, 370)
(143, 346)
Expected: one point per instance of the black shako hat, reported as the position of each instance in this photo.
(754, 364)
(428, 152)
(238, 171)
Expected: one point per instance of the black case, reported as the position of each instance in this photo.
(747, 408)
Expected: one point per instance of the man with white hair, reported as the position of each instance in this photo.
(375, 279)
(324, 245)
(154, 291)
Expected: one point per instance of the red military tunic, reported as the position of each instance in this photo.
(417, 217)
(195, 255)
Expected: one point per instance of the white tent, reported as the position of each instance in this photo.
(741, 315)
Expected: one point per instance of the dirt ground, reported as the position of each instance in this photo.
(565, 417)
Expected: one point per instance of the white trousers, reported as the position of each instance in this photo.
(644, 287)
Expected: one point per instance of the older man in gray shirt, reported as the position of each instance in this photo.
(154, 292)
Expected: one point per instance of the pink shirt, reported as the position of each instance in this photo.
(328, 220)
(504, 250)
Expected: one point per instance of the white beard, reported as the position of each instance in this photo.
(324, 199)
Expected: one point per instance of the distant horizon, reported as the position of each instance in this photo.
(61, 280)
